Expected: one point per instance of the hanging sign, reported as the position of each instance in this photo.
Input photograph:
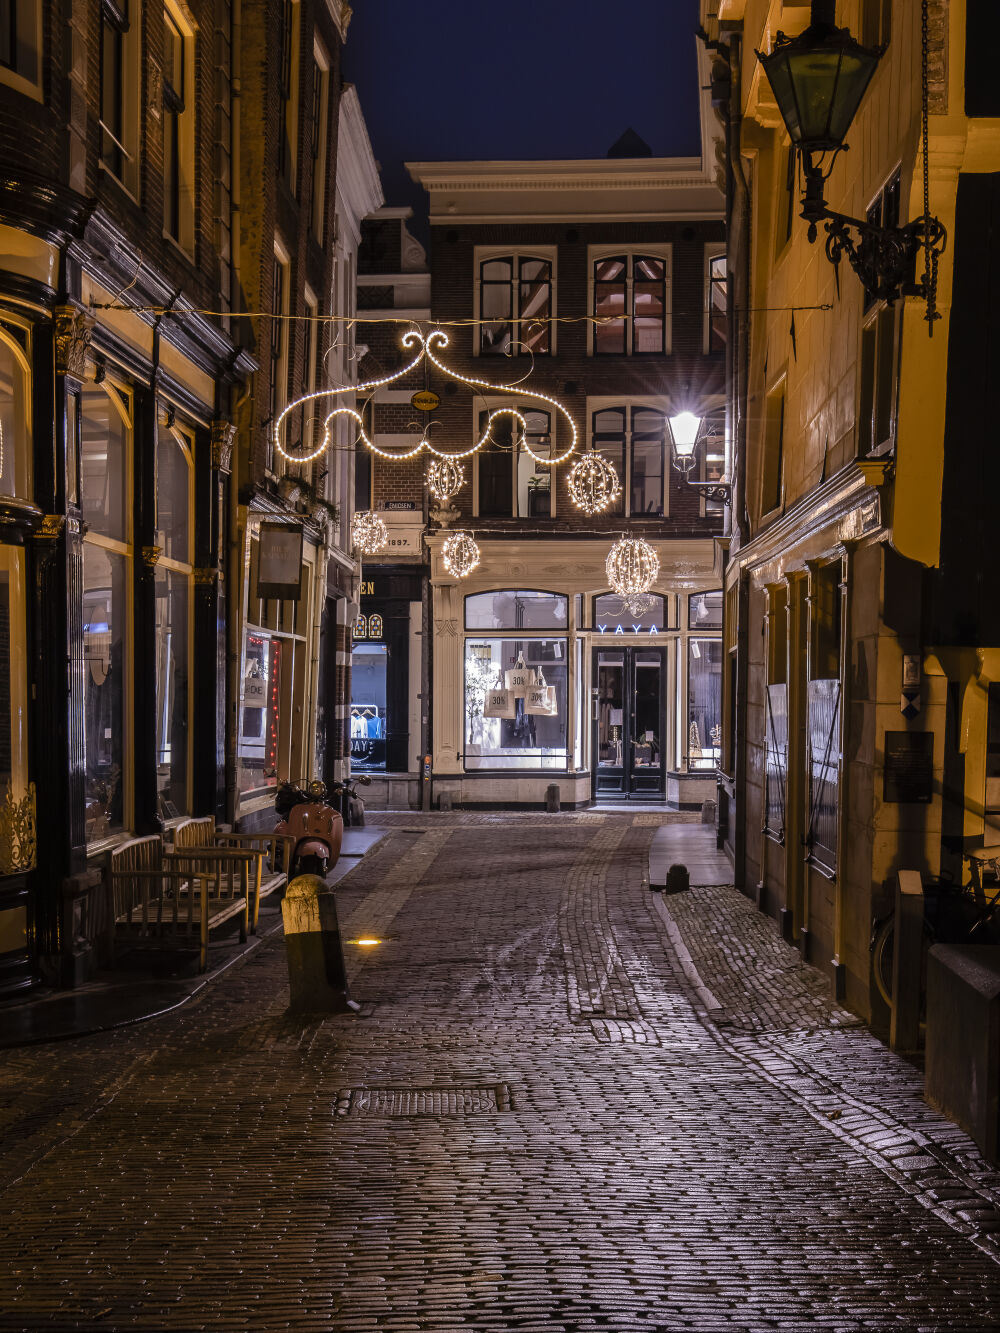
(279, 562)
(425, 400)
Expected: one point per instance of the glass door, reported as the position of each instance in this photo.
(629, 722)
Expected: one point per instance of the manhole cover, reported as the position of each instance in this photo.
(486, 1099)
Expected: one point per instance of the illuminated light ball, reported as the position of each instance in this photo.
(460, 554)
(632, 566)
(593, 484)
(445, 478)
(368, 533)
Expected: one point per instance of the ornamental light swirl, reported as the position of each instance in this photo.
(593, 483)
(445, 478)
(436, 338)
(632, 566)
(369, 535)
(460, 554)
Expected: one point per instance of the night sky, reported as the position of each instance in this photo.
(463, 79)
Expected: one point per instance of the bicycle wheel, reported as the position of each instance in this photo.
(882, 955)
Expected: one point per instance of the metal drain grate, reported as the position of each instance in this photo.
(486, 1099)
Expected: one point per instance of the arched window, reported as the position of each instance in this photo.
(516, 608)
(15, 418)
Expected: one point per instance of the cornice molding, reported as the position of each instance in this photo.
(359, 190)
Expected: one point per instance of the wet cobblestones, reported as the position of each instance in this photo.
(657, 1168)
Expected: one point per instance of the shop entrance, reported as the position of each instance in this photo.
(630, 723)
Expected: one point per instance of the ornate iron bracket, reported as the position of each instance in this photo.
(719, 491)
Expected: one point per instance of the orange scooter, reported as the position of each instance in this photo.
(318, 829)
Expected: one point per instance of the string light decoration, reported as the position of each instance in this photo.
(593, 483)
(632, 566)
(437, 338)
(369, 535)
(445, 478)
(460, 554)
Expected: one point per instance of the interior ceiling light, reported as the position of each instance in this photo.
(369, 535)
(460, 554)
(437, 338)
(593, 483)
(632, 566)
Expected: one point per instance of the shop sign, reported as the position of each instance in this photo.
(407, 505)
(620, 629)
(425, 400)
(279, 562)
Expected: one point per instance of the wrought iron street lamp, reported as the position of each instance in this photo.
(685, 428)
(818, 80)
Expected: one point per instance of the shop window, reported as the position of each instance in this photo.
(516, 609)
(823, 738)
(629, 301)
(105, 485)
(178, 128)
(773, 451)
(369, 714)
(174, 618)
(13, 676)
(716, 324)
(515, 303)
(511, 483)
(21, 45)
(704, 710)
(613, 616)
(527, 730)
(120, 55)
(320, 122)
(261, 711)
(15, 417)
(633, 439)
(289, 74)
(705, 611)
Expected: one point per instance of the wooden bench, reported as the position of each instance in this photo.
(155, 893)
(273, 852)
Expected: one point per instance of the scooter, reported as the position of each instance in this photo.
(317, 827)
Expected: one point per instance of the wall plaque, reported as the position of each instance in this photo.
(908, 777)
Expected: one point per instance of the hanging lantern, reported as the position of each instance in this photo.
(460, 554)
(632, 567)
(594, 484)
(368, 533)
(445, 478)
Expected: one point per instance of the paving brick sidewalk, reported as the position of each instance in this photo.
(540, 1125)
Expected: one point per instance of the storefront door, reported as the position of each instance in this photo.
(630, 722)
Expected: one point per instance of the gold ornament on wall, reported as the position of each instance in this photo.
(594, 484)
(460, 554)
(369, 535)
(632, 566)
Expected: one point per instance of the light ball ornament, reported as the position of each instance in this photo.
(369, 535)
(632, 566)
(460, 554)
(593, 484)
(445, 478)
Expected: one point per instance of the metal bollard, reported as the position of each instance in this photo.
(678, 879)
(553, 798)
(317, 978)
(907, 960)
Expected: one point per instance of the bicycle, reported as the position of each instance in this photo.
(952, 912)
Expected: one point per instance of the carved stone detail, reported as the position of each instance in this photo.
(51, 526)
(151, 556)
(223, 437)
(72, 334)
(204, 577)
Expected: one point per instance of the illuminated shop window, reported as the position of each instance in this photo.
(526, 729)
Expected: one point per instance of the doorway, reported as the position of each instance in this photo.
(630, 723)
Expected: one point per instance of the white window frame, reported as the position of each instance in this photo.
(30, 11)
(186, 166)
(664, 252)
(603, 403)
(491, 404)
(482, 254)
(713, 250)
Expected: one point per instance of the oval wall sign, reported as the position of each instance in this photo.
(425, 400)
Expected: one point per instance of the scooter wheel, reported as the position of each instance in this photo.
(312, 865)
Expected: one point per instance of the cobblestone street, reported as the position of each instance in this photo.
(567, 1104)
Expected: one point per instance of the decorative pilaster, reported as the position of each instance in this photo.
(223, 439)
(73, 328)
